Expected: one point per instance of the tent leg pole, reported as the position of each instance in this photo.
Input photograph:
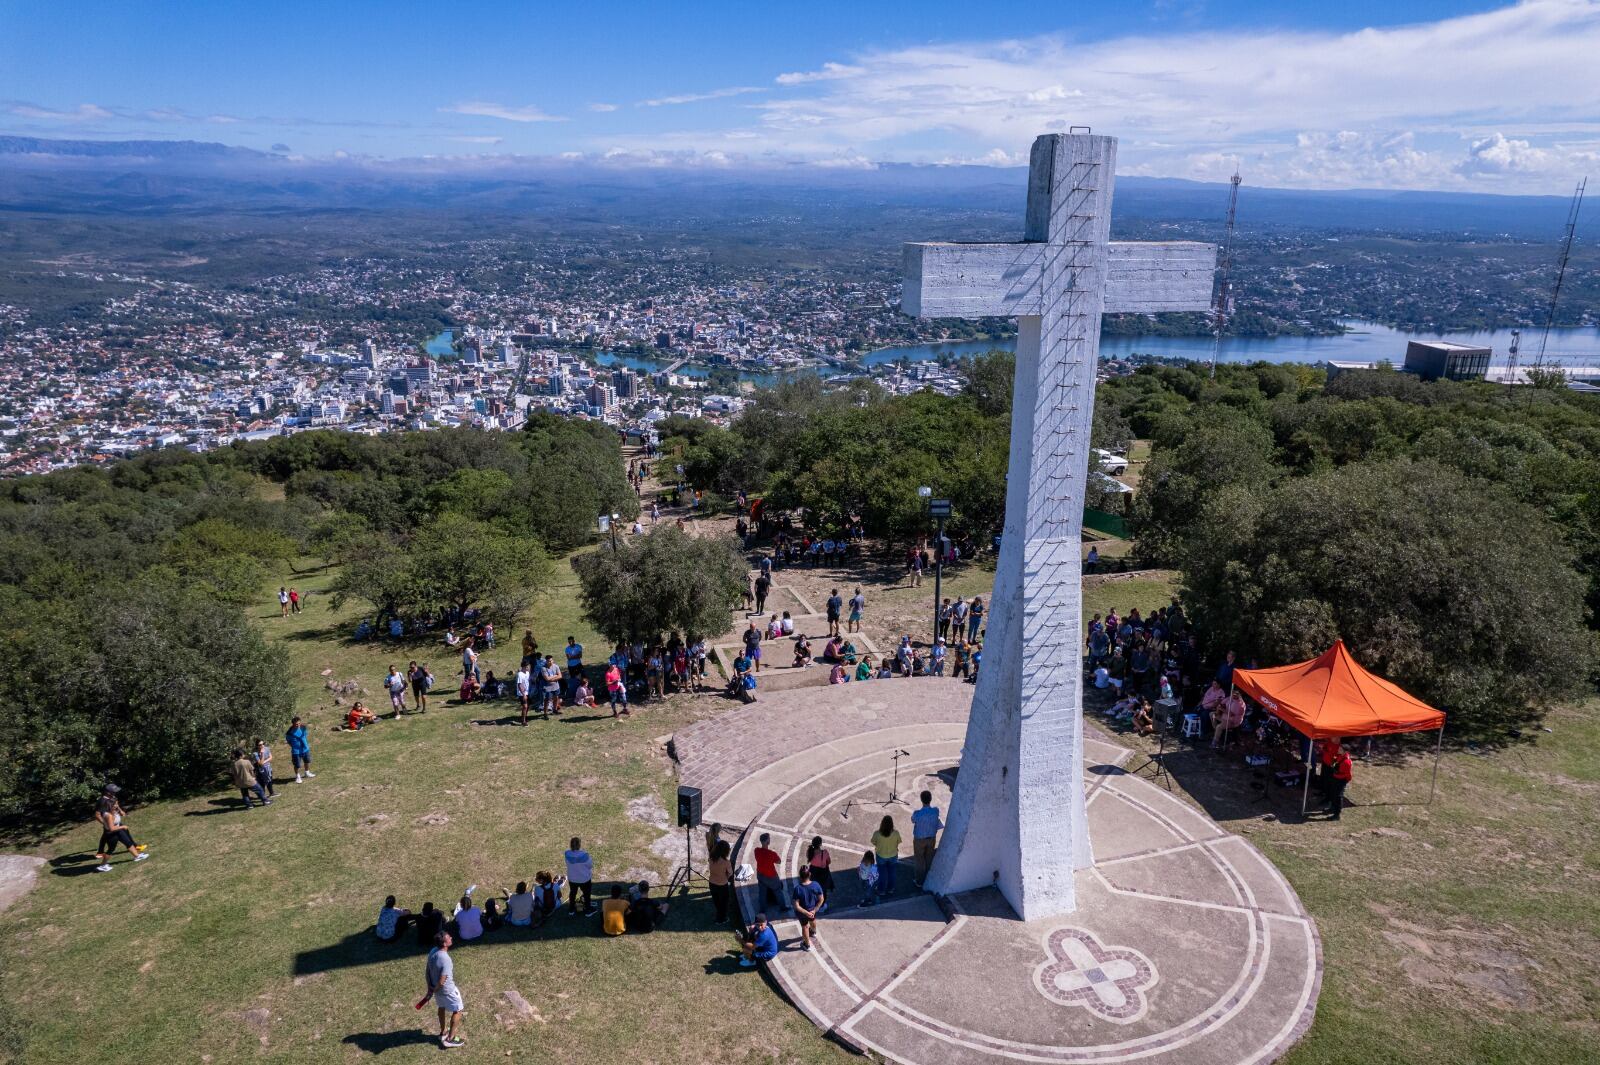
(1437, 751)
(1305, 792)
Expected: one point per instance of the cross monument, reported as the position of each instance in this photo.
(1017, 817)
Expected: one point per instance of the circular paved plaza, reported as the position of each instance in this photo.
(1187, 946)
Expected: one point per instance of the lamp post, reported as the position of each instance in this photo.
(608, 523)
(939, 510)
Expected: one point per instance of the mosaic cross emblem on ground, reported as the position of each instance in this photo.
(1108, 981)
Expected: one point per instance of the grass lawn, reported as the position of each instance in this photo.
(1464, 931)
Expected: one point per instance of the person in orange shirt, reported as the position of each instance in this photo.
(1339, 773)
(614, 913)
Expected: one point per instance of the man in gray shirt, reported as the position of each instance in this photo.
(441, 976)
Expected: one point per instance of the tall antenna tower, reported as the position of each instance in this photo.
(1511, 359)
(1561, 270)
(1224, 302)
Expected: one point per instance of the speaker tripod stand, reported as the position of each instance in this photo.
(1159, 760)
(685, 873)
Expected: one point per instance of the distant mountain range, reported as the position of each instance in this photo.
(80, 176)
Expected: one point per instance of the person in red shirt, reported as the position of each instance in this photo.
(767, 861)
(1338, 778)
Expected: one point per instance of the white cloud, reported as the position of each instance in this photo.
(477, 140)
(602, 107)
(81, 113)
(485, 109)
(696, 97)
(1507, 99)
(829, 72)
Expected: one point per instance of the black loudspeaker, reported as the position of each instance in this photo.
(688, 807)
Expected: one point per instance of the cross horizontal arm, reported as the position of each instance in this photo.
(1002, 280)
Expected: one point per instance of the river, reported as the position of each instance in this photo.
(1365, 341)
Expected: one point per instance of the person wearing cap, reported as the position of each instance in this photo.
(760, 945)
(108, 811)
(936, 658)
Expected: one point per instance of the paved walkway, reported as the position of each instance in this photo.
(1188, 946)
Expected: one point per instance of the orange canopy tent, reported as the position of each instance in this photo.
(1333, 696)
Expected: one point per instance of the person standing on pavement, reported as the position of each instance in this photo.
(299, 743)
(886, 845)
(580, 877)
(441, 977)
(767, 871)
(244, 778)
(835, 607)
(762, 587)
(808, 902)
(925, 826)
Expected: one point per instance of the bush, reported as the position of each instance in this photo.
(665, 581)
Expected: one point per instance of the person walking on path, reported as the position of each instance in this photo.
(261, 759)
(762, 587)
(820, 862)
(719, 875)
(580, 877)
(808, 902)
(441, 977)
(108, 811)
(835, 606)
(925, 826)
(244, 778)
(396, 684)
(752, 647)
(858, 606)
(886, 846)
(760, 945)
(299, 749)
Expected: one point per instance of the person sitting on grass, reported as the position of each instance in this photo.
(392, 921)
(547, 894)
(614, 913)
(645, 914)
(760, 945)
(468, 919)
(470, 687)
(1144, 722)
(428, 923)
(520, 905)
(359, 717)
(492, 917)
(584, 695)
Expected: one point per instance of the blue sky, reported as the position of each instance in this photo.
(1408, 93)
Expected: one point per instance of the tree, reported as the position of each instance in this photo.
(150, 687)
(1447, 586)
(467, 562)
(1217, 452)
(665, 581)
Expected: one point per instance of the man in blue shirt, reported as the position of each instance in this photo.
(761, 944)
(925, 826)
(299, 749)
(808, 900)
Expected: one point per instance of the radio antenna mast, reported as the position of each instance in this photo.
(1561, 271)
(1224, 302)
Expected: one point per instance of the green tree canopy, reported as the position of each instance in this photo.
(1450, 588)
(665, 581)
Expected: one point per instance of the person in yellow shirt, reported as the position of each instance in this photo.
(886, 845)
(614, 913)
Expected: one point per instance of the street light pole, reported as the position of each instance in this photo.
(939, 509)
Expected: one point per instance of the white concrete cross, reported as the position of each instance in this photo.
(1017, 817)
